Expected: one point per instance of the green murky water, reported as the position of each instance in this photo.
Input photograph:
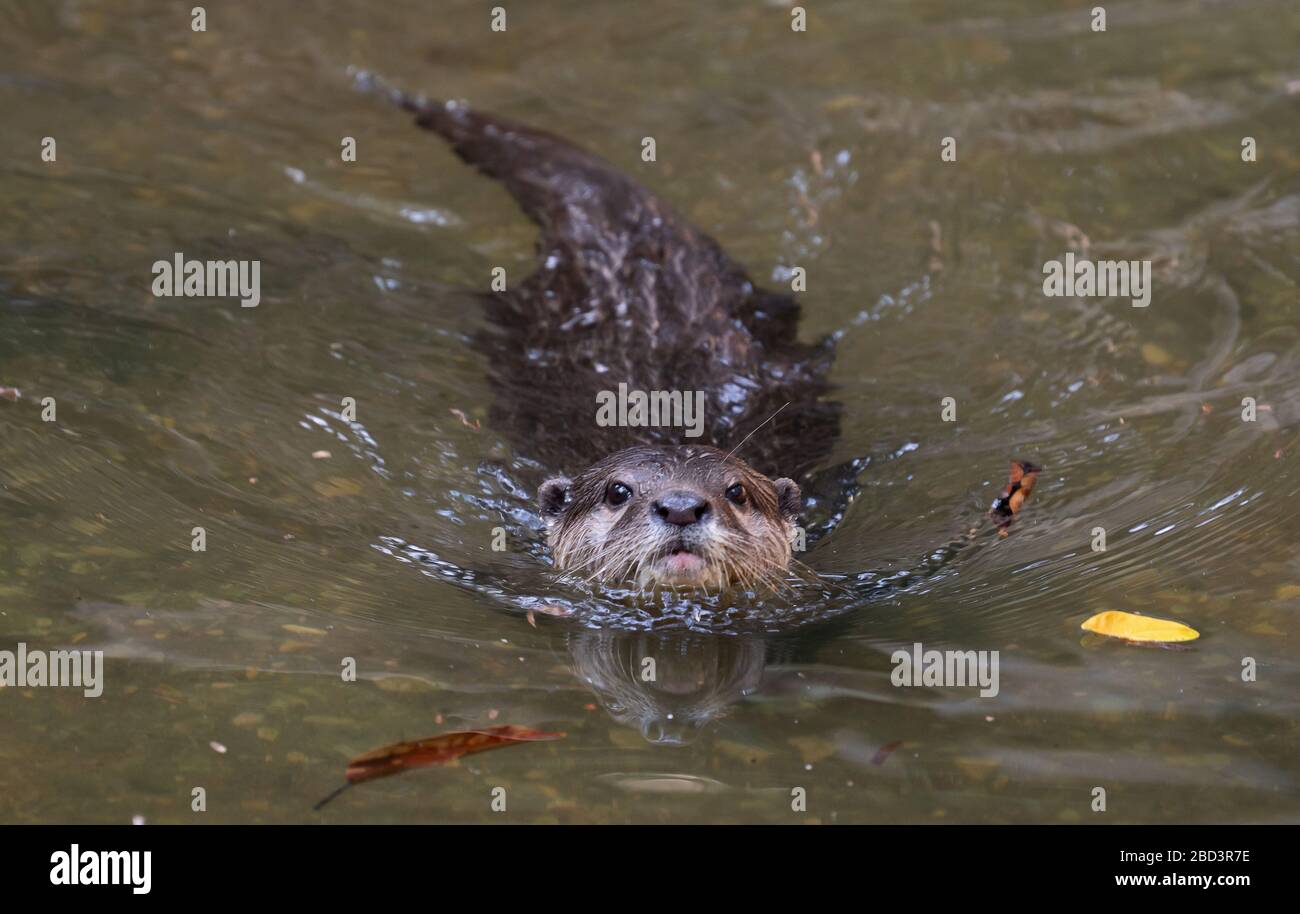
(818, 149)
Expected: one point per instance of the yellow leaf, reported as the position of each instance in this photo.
(1132, 627)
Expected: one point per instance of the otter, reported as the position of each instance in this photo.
(672, 516)
(628, 292)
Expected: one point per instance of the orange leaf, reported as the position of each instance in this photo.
(434, 750)
(1012, 498)
(437, 750)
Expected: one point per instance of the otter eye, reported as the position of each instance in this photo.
(617, 493)
(737, 494)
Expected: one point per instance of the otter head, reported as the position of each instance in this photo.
(676, 516)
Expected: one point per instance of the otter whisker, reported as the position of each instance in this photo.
(664, 519)
(756, 428)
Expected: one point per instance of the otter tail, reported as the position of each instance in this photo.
(597, 224)
(572, 195)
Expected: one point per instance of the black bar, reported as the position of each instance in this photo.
(534, 865)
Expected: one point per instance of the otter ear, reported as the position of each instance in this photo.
(552, 496)
(788, 498)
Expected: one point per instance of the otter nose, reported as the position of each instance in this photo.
(681, 508)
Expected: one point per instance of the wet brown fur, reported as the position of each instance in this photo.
(746, 544)
(628, 292)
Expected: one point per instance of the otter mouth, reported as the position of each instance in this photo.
(680, 564)
(683, 560)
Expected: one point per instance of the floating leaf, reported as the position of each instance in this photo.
(1012, 498)
(1132, 627)
(438, 750)
(434, 750)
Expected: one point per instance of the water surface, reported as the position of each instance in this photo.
(819, 150)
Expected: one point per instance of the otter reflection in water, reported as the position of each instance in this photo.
(668, 686)
(628, 293)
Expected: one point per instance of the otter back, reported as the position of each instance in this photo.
(627, 293)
